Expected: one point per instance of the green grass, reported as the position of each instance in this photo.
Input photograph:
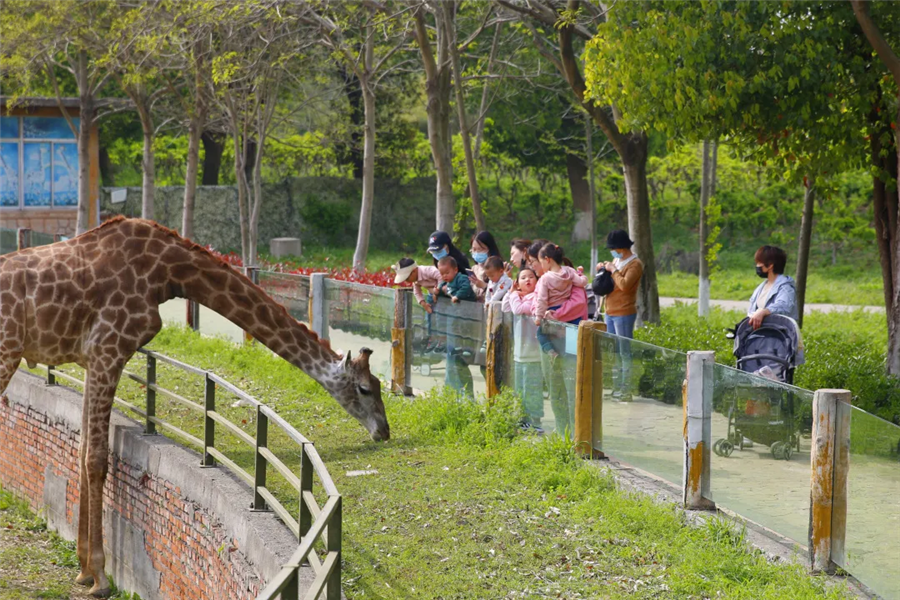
(36, 562)
(464, 506)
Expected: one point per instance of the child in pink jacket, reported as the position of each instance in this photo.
(554, 288)
(529, 382)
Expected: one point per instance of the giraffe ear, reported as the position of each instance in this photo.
(345, 362)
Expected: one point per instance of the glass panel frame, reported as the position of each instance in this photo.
(65, 174)
(38, 174)
(9, 174)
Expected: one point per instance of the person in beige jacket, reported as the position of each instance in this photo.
(621, 305)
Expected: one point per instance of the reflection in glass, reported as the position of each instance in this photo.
(48, 128)
(65, 174)
(9, 127)
(37, 174)
(9, 174)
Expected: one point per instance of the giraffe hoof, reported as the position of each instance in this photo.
(84, 579)
(100, 592)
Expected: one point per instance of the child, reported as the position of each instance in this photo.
(499, 282)
(453, 284)
(526, 355)
(553, 289)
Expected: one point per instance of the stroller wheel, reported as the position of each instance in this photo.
(777, 450)
(787, 452)
(726, 448)
(717, 447)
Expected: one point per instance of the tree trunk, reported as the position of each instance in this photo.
(213, 147)
(368, 184)
(707, 185)
(437, 91)
(809, 205)
(450, 28)
(482, 110)
(638, 200)
(190, 176)
(589, 140)
(353, 91)
(577, 171)
(148, 181)
(84, 145)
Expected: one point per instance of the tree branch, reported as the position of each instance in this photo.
(873, 34)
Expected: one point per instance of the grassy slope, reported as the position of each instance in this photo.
(34, 562)
(464, 507)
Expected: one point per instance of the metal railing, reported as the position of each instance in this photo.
(311, 523)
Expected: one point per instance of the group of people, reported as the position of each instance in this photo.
(539, 285)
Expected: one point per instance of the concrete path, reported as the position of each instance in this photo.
(742, 305)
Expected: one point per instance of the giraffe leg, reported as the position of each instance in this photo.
(100, 387)
(85, 577)
(9, 363)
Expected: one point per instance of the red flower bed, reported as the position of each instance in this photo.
(383, 278)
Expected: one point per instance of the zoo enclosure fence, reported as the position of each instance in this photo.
(313, 525)
(776, 454)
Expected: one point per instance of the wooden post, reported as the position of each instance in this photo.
(209, 425)
(589, 390)
(829, 464)
(252, 274)
(495, 364)
(318, 307)
(401, 342)
(23, 238)
(697, 393)
(333, 544)
(259, 472)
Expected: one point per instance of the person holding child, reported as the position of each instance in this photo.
(526, 352)
(560, 296)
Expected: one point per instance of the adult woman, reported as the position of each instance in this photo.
(777, 294)
(440, 245)
(621, 305)
(483, 247)
(518, 253)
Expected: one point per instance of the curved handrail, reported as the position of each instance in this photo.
(311, 523)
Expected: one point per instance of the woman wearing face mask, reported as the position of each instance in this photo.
(483, 247)
(440, 245)
(621, 305)
(777, 294)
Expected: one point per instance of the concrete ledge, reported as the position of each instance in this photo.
(172, 529)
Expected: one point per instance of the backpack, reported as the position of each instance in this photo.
(603, 283)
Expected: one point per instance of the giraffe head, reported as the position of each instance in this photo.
(359, 392)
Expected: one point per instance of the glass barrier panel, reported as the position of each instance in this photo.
(292, 291)
(449, 347)
(39, 238)
(8, 240)
(361, 316)
(642, 405)
(872, 541)
(760, 460)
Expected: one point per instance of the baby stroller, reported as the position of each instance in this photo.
(756, 413)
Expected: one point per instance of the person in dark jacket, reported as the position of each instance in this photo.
(440, 245)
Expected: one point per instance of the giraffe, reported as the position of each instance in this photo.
(93, 300)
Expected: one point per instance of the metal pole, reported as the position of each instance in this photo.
(588, 131)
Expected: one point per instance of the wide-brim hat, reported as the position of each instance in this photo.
(438, 240)
(618, 239)
(403, 272)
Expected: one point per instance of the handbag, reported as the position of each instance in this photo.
(603, 283)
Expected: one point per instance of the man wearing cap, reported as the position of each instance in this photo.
(440, 245)
(621, 304)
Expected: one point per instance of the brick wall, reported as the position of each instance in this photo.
(172, 530)
(54, 221)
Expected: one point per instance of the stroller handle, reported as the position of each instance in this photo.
(777, 359)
